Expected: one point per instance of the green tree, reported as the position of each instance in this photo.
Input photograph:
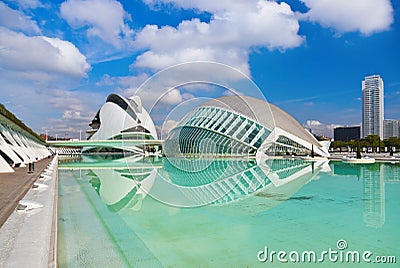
(338, 144)
(358, 150)
(352, 144)
(392, 142)
(374, 141)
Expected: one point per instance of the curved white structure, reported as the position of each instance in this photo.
(225, 181)
(121, 182)
(240, 126)
(17, 149)
(121, 119)
(120, 189)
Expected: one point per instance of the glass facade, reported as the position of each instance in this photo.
(213, 130)
(221, 127)
(372, 106)
(286, 146)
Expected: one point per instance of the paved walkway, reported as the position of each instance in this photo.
(14, 186)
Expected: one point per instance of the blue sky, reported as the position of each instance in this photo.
(59, 60)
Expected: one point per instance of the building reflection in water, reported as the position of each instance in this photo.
(374, 178)
(123, 183)
(374, 195)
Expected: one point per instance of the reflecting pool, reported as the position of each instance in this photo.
(147, 212)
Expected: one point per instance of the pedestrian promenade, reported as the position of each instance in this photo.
(14, 186)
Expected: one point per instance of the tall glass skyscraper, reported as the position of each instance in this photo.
(372, 106)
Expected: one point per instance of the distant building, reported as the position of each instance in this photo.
(372, 106)
(346, 133)
(391, 128)
(43, 136)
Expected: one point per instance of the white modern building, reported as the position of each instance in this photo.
(391, 128)
(17, 147)
(240, 126)
(121, 119)
(372, 106)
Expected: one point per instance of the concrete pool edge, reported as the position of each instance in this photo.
(53, 260)
(29, 237)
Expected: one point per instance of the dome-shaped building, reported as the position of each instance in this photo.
(240, 126)
(121, 119)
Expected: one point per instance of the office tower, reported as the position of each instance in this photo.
(391, 128)
(372, 106)
(346, 133)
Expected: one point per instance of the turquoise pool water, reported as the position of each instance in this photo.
(118, 212)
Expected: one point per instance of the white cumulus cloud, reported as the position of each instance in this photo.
(105, 19)
(16, 20)
(233, 32)
(310, 123)
(74, 109)
(40, 55)
(320, 128)
(365, 16)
